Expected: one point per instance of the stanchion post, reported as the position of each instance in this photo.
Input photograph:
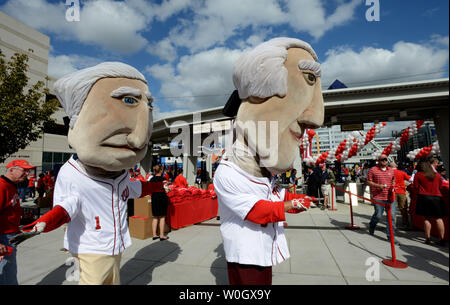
(332, 199)
(393, 262)
(351, 227)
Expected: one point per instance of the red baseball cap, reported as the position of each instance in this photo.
(20, 163)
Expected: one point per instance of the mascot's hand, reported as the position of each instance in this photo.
(20, 238)
(302, 204)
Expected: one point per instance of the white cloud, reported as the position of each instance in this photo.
(310, 16)
(61, 65)
(112, 25)
(199, 81)
(386, 132)
(217, 21)
(162, 11)
(33, 13)
(164, 49)
(405, 62)
(171, 7)
(122, 26)
(204, 80)
(440, 40)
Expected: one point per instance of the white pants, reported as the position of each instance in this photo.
(326, 190)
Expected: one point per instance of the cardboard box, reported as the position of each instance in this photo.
(140, 228)
(143, 207)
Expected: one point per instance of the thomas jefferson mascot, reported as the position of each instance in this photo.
(278, 96)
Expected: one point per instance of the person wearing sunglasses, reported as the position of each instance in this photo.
(381, 179)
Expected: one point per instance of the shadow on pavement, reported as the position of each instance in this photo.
(143, 263)
(219, 266)
(56, 277)
(139, 269)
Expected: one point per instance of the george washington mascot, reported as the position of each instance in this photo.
(110, 112)
(278, 96)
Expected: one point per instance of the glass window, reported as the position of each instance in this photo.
(57, 157)
(66, 156)
(47, 157)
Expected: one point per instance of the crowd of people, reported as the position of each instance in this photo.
(391, 185)
(398, 185)
(43, 184)
(170, 176)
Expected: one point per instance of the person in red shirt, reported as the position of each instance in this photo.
(166, 176)
(49, 180)
(180, 181)
(40, 187)
(400, 192)
(381, 179)
(427, 183)
(138, 175)
(31, 187)
(10, 213)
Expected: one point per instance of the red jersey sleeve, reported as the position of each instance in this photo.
(264, 212)
(53, 219)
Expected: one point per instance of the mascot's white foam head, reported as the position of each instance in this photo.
(109, 107)
(278, 82)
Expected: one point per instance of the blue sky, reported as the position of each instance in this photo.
(187, 49)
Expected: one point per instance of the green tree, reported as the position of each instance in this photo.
(24, 110)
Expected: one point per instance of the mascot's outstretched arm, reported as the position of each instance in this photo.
(266, 211)
(46, 223)
(59, 216)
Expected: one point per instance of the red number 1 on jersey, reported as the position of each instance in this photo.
(97, 220)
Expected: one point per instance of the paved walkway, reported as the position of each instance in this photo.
(323, 252)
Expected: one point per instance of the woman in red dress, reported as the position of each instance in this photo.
(428, 184)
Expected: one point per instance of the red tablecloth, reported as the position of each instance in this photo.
(417, 220)
(191, 211)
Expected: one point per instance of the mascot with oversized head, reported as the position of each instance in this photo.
(278, 96)
(110, 112)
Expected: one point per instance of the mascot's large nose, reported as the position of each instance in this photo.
(140, 135)
(314, 114)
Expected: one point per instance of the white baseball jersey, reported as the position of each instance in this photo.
(97, 208)
(246, 242)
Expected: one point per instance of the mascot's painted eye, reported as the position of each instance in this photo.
(129, 100)
(310, 78)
